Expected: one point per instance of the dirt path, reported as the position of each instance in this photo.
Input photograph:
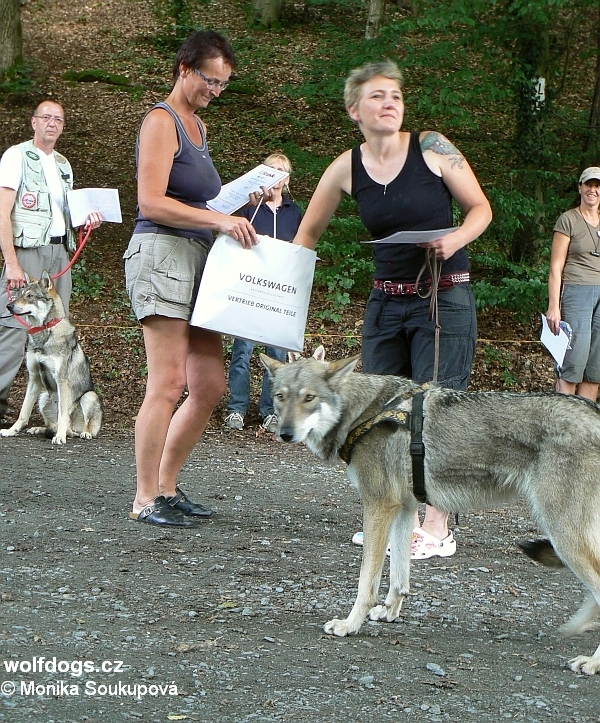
(231, 612)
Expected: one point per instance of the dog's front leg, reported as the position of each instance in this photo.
(584, 619)
(34, 389)
(376, 528)
(64, 412)
(399, 567)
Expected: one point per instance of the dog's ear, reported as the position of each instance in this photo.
(340, 369)
(293, 356)
(271, 365)
(46, 281)
(319, 353)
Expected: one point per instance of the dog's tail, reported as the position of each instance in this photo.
(541, 551)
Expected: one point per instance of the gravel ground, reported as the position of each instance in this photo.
(230, 612)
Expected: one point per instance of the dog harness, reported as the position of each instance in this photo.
(411, 420)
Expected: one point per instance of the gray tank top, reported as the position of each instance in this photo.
(193, 180)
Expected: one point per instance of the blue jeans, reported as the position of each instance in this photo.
(239, 378)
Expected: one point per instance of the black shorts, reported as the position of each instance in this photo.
(398, 338)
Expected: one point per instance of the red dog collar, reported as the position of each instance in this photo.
(47, 325)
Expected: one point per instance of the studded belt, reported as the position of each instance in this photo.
(447, 281)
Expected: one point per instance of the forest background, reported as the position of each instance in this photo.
(515, 84)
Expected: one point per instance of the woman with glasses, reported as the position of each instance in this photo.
(574, 288)
(163, 265)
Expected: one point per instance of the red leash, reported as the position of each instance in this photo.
(81, 242)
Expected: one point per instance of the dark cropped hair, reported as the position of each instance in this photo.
(200, 46)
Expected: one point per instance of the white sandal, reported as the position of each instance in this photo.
(424, 545)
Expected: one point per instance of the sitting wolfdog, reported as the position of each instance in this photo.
(59, 372)
(480, 450)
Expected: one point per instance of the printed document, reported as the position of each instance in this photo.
(555, 343)
(84, 201)
(413, 237)
(236, 194)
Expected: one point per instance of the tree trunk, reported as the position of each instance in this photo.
(268, 10)
(591, 148)
(374, 18)
(10, 32)
(530, 143)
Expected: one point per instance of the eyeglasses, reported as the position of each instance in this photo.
(211, 83)
(47, 118)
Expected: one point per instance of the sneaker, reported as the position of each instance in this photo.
(235, 420)
(270, 423)
(358, 539)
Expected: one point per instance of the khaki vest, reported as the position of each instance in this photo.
(32, 213)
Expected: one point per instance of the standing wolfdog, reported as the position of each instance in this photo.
(481, 450)
(59, 372)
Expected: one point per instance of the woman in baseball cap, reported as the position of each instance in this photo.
(574, 288)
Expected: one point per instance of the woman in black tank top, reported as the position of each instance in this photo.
(405, 182)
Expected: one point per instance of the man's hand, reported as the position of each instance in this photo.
(15, 276)
(94, 220)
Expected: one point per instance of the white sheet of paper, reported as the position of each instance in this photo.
(413, 237)
(101, 200)
(236, 194)
(556, 344)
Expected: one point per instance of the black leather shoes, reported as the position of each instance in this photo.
(161, 513)
(185, 506)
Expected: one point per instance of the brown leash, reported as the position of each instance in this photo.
(434, 267)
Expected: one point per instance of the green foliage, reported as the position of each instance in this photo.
(176, 20)
(524, 295)
(86, 284)
(95, 75)
(503, 360)
(17, 80)
(324, 76)
(346, 264)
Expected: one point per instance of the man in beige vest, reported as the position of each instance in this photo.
(35, 229)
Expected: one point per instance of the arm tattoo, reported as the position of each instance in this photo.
(438, 144)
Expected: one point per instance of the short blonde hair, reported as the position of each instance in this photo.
(283, 159)
(359, 76)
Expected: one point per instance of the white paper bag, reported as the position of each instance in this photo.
(260, 294)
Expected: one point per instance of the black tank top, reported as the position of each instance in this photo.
(416, 200)
(193, 180)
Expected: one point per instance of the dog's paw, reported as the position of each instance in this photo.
(11, 432)
(85, 435)
(585, 664)
(385, 613)
(340, 628)
(41, 431)
(59, 440)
